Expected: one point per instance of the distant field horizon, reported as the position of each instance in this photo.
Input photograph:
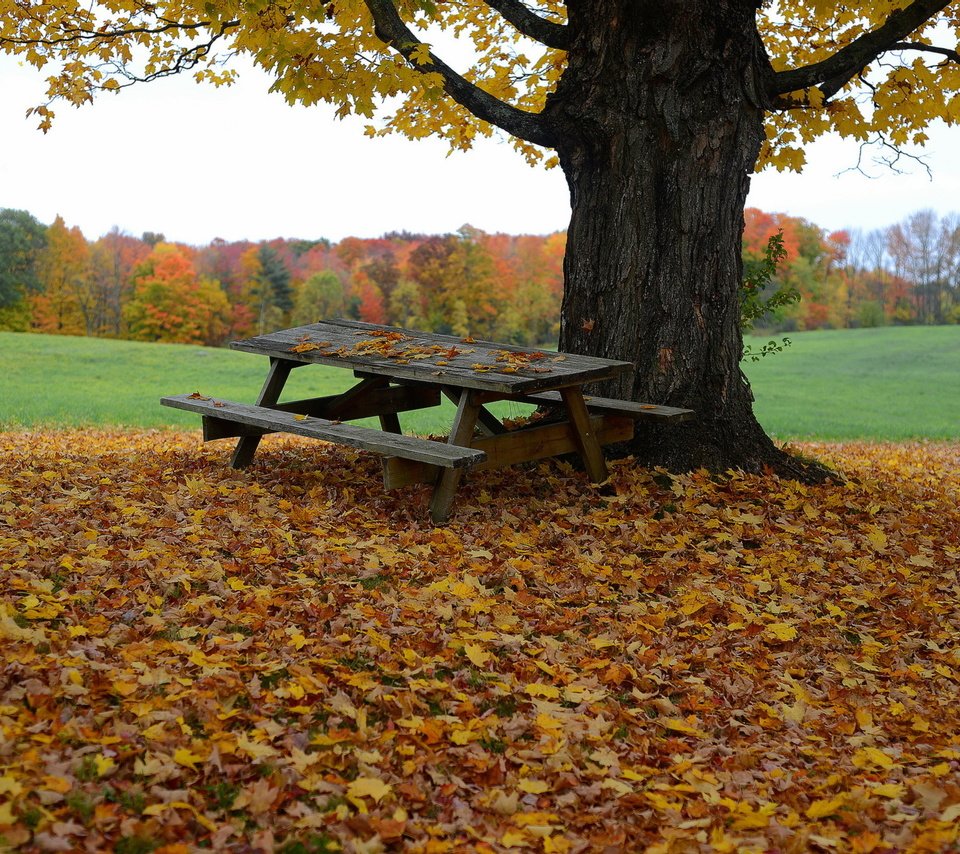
(892, 383)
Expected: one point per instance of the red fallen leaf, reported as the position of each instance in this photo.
(219, 404)
(388, 829)
(493, 775)
(197, 396)
(467, 340)
(387, 334)
(411, 791)
(587, 325)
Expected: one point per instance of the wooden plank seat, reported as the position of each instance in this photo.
(632, 409)
(220, 416)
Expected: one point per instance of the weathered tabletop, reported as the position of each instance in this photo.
(442, 360)
(400, 370)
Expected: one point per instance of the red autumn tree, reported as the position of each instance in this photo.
(172, 303)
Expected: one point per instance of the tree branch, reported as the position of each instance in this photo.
(391, 30)
(81, 34)
(833, 73)
(532, 25)
(929, 48)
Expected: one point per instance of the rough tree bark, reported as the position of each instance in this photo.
(660, 121)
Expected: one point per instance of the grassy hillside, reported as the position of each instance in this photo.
(896, 383)
(877, 383)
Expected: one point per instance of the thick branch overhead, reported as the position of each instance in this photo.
(833, 73)
(528, 126)
(532, 25)
(928, 48)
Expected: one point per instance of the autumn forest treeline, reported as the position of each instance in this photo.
(53, 279)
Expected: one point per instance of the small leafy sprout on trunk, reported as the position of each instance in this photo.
(758, 276)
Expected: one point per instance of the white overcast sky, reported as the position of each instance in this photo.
(195, 163)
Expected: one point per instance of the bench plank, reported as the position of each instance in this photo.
(638, 411)
(365, 438)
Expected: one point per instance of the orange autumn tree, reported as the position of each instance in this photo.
(113, 259)
(172, 303)
(657, 111)
(63, 270)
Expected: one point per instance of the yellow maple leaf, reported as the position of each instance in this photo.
(877, 538)
(781, 631)
(369, 787)
(549, 723)
(746, 818)
(680, 725)
(104, 764)
(464, 736)
(477, 654)
(187, 758)
(825, 807)
(256, 750)
(124, 687)
(660, 802)
(872, 756)
(155, 732)
(462, 590)
(536, 689)
(9, 786)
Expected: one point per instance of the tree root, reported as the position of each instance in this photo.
(688, 447)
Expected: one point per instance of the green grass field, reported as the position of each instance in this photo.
(893, 383)
(897, 383)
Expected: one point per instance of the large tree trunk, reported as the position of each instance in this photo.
(662, 123)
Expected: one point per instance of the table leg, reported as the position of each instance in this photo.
(269, 394)
(585, 438)
(461, 433)
(488, 423)
(390, 423)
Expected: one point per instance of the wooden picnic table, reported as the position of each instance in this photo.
(399, 370)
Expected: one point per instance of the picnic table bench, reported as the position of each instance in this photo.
(400, 370)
